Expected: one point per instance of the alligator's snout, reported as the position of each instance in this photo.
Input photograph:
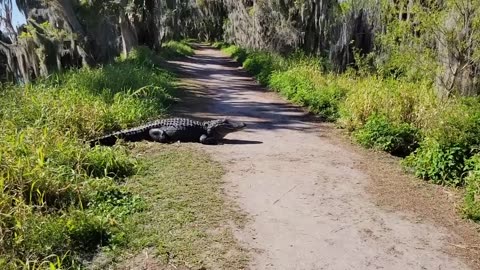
(235, 126)
(241, 125)
(230, 125)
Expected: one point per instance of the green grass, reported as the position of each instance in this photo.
(400, 101)
(305, 85)
(176, 48)
(219, 44)
(262, 65)
(399, 115)
(59, 199)
(184, 212)
(237, 53)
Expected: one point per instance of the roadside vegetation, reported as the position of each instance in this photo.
(438, 139)
(61, 201)
(175, 48)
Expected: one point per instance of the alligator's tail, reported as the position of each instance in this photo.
(107, 140)
(111, 139)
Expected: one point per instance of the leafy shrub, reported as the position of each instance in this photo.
(440, 163)
(326, 101)
(382, 134)
(456, 121)
(113, 202)
(453, 133)
(141, 55)
(472, 198)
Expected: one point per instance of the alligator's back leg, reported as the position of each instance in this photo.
(207, 140)
(158, 135)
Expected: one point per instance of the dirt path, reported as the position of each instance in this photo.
(306, 193)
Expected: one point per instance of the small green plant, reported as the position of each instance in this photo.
(77, 233)
(442, 164)
(382, 134)
(113, 202)
(472, 198)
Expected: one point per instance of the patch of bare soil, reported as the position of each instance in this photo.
(316, 200)
(392, 189)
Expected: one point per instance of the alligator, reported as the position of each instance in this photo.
(174, 130)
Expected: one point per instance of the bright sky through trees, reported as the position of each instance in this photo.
(18, 17)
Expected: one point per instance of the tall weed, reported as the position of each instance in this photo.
(399, 101)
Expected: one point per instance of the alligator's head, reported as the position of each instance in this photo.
(220, 128)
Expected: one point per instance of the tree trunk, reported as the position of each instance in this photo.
(456, 46)
(129, 36)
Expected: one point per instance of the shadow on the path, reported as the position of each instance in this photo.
(227, 141)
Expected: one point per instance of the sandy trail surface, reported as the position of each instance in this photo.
(306, 193)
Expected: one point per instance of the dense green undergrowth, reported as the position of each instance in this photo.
(174, 48)
(440, 139)
(60, 201)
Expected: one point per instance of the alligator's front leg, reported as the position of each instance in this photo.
(207, 140)
(158, 135)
